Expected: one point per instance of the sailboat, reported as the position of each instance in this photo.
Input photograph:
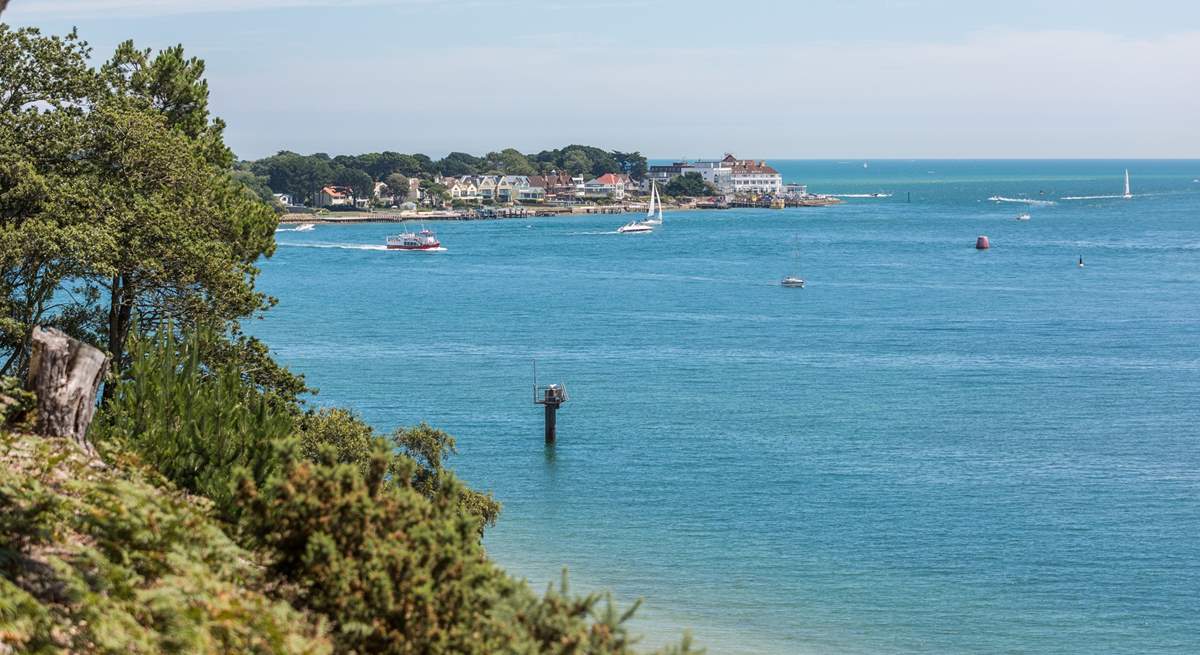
(1127, 195)
(792, 279)
(641, 227)
(651, 219)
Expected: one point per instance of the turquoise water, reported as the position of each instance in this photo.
(928, 450)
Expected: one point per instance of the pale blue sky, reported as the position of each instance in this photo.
(765, 78)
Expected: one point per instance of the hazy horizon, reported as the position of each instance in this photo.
(864, 80)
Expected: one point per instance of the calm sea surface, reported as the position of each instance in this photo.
(928, 450)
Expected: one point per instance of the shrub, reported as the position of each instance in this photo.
(200, 428)
(97, 560)
(396, 571)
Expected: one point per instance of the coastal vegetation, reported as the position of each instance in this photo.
(688, 184)
(220, 513)
(302, 176)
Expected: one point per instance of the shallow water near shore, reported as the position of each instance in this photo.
(929, 449)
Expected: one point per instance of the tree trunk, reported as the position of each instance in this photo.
(65, 374)
(120, 311)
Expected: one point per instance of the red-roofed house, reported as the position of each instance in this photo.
(609, 185)
(334, 196)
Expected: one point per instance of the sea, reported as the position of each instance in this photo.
(928, 449)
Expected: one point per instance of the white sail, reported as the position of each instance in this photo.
(1127, 193)
(654, 199)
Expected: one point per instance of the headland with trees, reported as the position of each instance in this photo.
(209, 509)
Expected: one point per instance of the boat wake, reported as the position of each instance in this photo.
(340, 246)
(1027, 201)
(1091, 197)
(594, 233)
(303, 227)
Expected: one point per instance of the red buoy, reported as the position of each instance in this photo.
(982, 243)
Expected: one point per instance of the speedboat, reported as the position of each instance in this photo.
(793, 281)
(423, 240)
(1024, 216)
(305, 227)
(635, 227)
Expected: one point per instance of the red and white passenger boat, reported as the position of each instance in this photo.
(423, 240)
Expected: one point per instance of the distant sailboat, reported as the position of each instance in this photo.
(793, 279)
(1127, 195)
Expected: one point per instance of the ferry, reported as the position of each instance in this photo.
(423, 240)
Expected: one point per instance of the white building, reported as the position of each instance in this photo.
(750, 176)
(609, 185)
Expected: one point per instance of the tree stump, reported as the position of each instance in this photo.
(65, 374)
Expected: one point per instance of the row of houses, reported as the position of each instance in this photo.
(554, 187)
(728, 176)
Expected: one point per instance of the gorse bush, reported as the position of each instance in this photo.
(101, 560)
(200, 428)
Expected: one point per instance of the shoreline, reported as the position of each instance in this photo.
(521, 212)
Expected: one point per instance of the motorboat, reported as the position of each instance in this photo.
(423, 240)
(1024, 216)
(635, 227)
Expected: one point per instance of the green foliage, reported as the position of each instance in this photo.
(688, 184)
(633, 163)
(119, 201)
(397, 571)
(17, 406)
(256, 186)
(173, 86)
(579, 160)
(98, 560)
(201, 428)
(361, 184)
(398, 186)
(509, 162)
(341, 431)
(44, 237)
(429, 446)
(418, 455)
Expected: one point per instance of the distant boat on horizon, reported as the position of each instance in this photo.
(1127, 195)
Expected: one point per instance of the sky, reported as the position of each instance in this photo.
(680, 78)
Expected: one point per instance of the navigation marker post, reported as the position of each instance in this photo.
(551, 396)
